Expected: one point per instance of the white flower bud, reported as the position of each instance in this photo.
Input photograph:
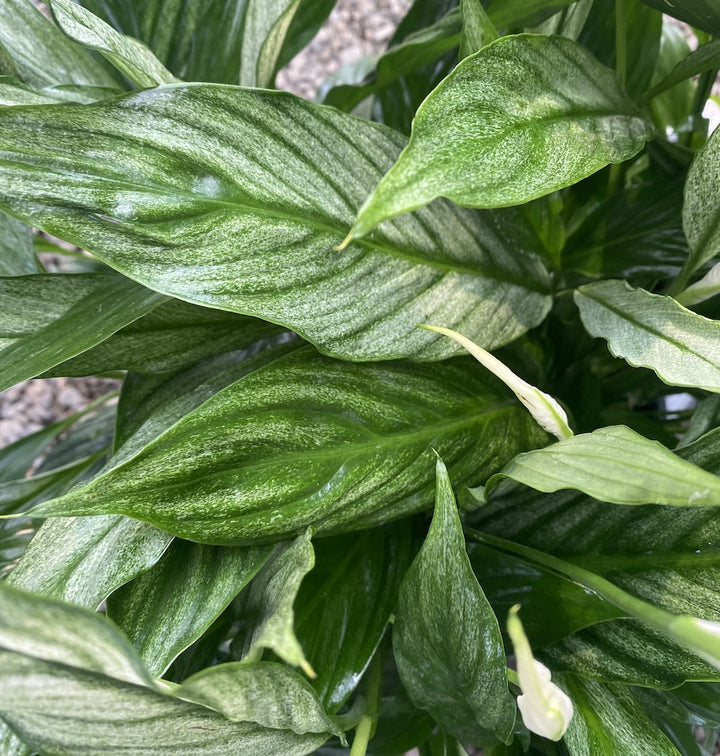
(546, 710)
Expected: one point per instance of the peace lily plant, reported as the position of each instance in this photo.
(306, 522)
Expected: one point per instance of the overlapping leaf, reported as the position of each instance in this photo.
(69, 678)
(17, 256)
(666, 556)
(221, 196)
(42, 55)
(489, 135)
(169, 607)
(613, 464)
(48, 319)
(130, 56)
(653, 331)
(345, 603)
(446, 637)
(705, 14)
(608, 719)
(306, 440)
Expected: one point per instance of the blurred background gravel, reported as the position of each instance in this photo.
(355, 28)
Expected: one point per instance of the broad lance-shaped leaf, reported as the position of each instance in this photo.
(171, 605)
(446, 638)
(223, 197)
(306, 440)
(609, 720)
(705, 58)
(69, 679)
(131, 57)
(42, 54)
(272, 596)
(110, 302)
(613, 464)
(701, 216)
(496, 132)
(653, 331)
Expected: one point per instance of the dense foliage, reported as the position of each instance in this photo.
(253, 515)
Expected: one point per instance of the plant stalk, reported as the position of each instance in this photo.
(366, 727)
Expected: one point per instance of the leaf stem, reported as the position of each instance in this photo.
(368, 722)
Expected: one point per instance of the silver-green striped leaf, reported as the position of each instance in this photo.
(524, 116)
(653, 331)
(306, 440)
(31, 344)
(701, 216)
(42, 54)
(607, 719)
(225, 197)
(130, 56)
(613, 464)
(446, 638)
(171, 605)
(17, 255)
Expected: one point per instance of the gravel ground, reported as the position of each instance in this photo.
(355, 28)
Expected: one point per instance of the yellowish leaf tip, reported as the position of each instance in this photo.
(307, 669)
(340, 247)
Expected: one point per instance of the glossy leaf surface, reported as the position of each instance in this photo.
(42, 54)
(609, 720)
(345, 602)
(357, 454)
(616, 465)
(446, 638)
(131, 57)
(488, 136)
(169, 607)
(653, 331)
(168, 193)
(110, 304)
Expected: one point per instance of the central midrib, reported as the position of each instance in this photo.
(371, 245)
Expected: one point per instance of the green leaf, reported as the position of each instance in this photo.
(83, 559)
(69, 678)
(231, 472)
(169, 193)
(306, 22)
(272, 596)
(14, 92)
(477, 28)
(612, 464)
(488, 135)
(542, 593)
(345, 603)
(171, 605)
(172, 336)
(111, 303)
(649, 330)
(407, 56)
(446, 638)
(705, 58)
(17, 256)
(131, 57)
(609, 720)
(663, 555)
(56, 632)
(42, 54)
(267, 693)
(523, 13)
(701, 217)
(705, 14)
